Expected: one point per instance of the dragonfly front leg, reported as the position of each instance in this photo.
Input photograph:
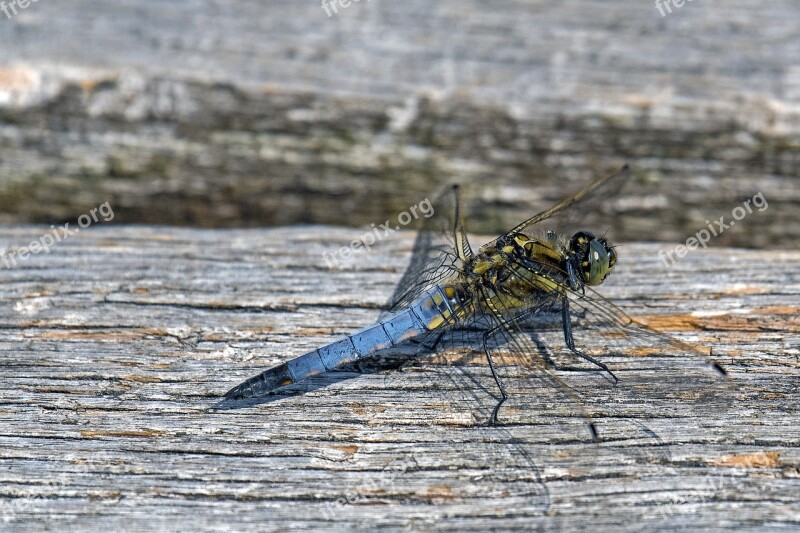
(570, 341)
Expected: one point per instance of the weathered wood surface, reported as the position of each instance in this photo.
(117, 343)
(259, 113)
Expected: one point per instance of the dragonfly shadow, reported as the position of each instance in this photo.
(498, 464)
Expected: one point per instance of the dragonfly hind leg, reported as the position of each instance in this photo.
(503, 395)
(570, 341)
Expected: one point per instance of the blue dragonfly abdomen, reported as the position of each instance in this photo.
(434, 309)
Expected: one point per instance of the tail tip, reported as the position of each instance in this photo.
(236, 393)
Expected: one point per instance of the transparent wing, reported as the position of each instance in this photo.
(441, 246)
(606, 330)
(642, 358)
(588, 208)
(439, 251)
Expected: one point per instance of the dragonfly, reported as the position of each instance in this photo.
(495, 297)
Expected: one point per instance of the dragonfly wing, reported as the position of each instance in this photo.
(606, 329)
(586, 208)
(439, 252)
(674, 371)
(452, 383)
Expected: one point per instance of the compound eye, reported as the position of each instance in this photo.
(599, 259)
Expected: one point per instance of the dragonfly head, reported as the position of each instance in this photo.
(595, 257)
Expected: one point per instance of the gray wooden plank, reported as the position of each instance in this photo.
(116, 344)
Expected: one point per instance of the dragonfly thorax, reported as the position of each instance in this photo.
(592, 257)
(518, 266)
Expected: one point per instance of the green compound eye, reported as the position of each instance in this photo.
(595, 255)
(599, 258)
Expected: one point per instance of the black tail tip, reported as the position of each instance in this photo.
(235, 393)
(719, 368)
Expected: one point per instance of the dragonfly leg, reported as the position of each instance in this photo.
(570, 341)
(503, 395)
(574, 282)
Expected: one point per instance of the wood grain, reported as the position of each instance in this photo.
(272, 113)
(118, 342)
